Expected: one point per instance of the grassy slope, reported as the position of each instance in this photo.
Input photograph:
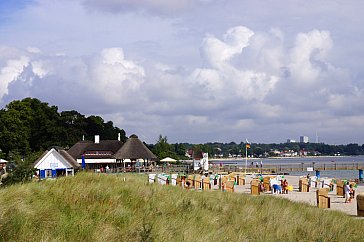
(91, 207)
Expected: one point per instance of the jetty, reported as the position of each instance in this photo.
(290, 167)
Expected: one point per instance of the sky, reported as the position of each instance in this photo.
(194, 71)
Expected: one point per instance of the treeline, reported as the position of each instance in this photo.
(224, 150)
(258, 149)
(29, 126)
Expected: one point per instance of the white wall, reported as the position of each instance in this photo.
(53, 160)
(97, 161)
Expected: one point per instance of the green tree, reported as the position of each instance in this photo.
(20, 169)
(162, 149)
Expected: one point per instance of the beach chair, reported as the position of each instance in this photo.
(303, 185)
(151, 178)
(255, 187)
(340, 188)
(174, 179)
(190, 180)
(360, 204)
(197, 182)
(240, 180)
(322, 198)
(266, 183)
(229, 186)
(206, 185)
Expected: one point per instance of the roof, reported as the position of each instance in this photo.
(134, 149)
(63, 153)
(81, 147)
(197, 154)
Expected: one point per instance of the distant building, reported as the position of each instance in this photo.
(291, 141)
(303, 139)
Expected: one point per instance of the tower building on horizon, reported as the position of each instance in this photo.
(303, 139)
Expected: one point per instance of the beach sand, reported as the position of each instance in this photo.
(336, 202)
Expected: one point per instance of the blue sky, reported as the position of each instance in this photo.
(192, 70)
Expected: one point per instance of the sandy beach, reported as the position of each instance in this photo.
(337, 202)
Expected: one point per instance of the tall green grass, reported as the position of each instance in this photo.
(92, 207)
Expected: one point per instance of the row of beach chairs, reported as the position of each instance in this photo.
(219, 181)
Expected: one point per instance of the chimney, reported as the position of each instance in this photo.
(97, 139)
(119, 136)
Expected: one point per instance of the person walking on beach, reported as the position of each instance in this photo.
(347, 193)
(261, 164)
(351, 192)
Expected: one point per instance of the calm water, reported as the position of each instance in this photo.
(348, 174)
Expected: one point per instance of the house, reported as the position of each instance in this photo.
(97, 154)
(112, 154)
(54, 163)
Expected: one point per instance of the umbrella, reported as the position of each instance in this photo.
(83, 162)
(168, 159)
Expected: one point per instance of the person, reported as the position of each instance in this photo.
(261, 186)
(351, 192)
(285, 186)
(261, 164)
(256, 164)
(347, 193)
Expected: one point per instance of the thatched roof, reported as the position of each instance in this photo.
(134, 149)
(82, 147)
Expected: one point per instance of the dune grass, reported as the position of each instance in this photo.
(93, 207)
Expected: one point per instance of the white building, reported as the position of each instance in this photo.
(55, 163)
(303, 139)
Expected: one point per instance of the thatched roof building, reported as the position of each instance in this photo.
(111, 153)
(134, 149)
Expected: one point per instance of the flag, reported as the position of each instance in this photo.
(247, 145)
(83, 162)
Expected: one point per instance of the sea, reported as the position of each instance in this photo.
(341, 174)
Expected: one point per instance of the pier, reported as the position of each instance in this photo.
(291, 167)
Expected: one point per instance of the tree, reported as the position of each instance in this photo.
(162, 149)
(20, 170)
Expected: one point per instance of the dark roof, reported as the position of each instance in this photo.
(69, 158)
(64, 154)
(134, 149)
(81, 147)
(197, 154)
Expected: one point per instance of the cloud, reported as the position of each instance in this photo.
(11, 72)
(224, 80)
(308, 57)
(103, 79)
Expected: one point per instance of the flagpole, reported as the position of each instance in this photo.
(246, 157)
